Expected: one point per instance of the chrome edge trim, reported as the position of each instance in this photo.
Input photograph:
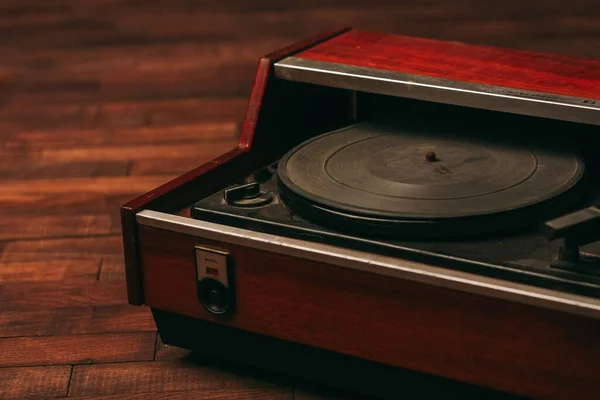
(420, 87)
(376, 264)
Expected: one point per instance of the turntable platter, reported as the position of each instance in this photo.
(378, 170)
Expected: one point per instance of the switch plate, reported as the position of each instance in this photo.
(212, 263)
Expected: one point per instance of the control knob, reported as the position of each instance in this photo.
(214, 280)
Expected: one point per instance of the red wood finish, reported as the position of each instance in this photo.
(516, 69)
(204, 179)
(508, 346)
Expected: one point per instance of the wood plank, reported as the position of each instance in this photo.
(76, 320)
(121, 318)
(46, 114)
(77, 349)
(122, 74)
(30, 7)
(53, 110)
(6, 86)
(62, 249)
(75, 203)
(44, 321)
(102, 62)
(159, 376)
(190, 25)
(44, 295)
(177, 111)
(493, 25)
(136, 152)
(45, 139)
(66, 191)
(28, 170)
(51, 270)
(38, 382)
(199, 23)
(222, 394)
(43, 112)
(227, 80)
(468, 7)
(62, 204)
(99, 161)
(103, 185)
(176, 166)
(61, 7)
(112, 268)
(25, 226)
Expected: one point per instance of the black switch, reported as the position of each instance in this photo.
(215, 281)
(217, 300)
(247, 195)
(214, 296)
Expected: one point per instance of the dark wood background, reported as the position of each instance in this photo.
(101, 100)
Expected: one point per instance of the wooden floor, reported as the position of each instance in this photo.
(101, 100)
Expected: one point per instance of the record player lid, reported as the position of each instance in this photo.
(380, 169)
(520, 82)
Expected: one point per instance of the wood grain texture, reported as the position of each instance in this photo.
(112, 268)
(40, 191)
(34, 382)
(77, 349)
(485, 341)
(223, 394)
(40, 295)
(75, 320)
(52, 270)
(21, 227)
(159, 376)
(65, 248)
(485, 65)
(85, 75)
(103, 121)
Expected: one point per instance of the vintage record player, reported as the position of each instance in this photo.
(402, 215)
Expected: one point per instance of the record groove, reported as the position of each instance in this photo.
(382, 171)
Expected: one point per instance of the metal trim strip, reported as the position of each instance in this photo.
(421, 87)
(376, 264)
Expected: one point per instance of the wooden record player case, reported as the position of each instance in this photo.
(461, 333)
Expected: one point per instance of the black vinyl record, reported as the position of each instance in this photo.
(383, 178)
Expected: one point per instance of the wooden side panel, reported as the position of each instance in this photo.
(226, 168)
(516, 69)
(507, 346)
